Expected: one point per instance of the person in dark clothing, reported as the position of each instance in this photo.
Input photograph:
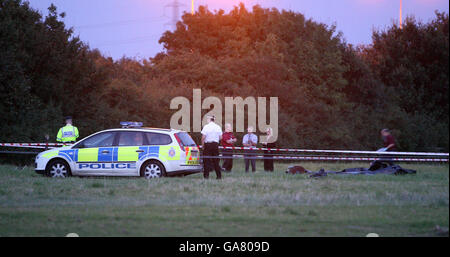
(268, 154)
(228, 140)
(389, 145)
(388, 140)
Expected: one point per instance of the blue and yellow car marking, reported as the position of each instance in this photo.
(169, 153)
(149, 151)
(87, 155)
(107, 166)
(118, 154)
(105, 154)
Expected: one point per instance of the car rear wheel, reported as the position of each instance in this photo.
(152, 169)
(58, 169)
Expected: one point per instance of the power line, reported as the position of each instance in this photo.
(121, 23)
(130, 41)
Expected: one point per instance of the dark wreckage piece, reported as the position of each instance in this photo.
(377, 167)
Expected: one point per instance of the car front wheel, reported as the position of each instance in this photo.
(58, 169)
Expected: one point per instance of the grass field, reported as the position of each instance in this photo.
(260, 204)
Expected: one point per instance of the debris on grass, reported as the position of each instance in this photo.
(377, 167)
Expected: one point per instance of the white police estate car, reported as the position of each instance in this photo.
(127, 151)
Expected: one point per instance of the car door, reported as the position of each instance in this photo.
(95, 154)
(131, 145)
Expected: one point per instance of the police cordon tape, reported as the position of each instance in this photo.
(332, 151)
(304, 158)
(392, 155)
(31, 145)
(326, 158)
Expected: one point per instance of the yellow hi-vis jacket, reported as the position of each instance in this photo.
(67, 133)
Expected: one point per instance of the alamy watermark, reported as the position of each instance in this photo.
(256, 113)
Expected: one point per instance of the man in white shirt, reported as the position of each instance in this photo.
(211, 136)
(250, 140)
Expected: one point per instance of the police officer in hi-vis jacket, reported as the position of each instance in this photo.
(68, 133)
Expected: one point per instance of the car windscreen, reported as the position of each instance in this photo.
(185, 139)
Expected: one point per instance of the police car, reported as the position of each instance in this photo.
(128, 151)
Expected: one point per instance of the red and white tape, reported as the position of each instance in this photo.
(32, 145)
(326, 158)
(323, 158)
(396, 154)
(333, 151)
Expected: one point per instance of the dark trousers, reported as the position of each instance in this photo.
(227, 162)
(248, 161)
(268, 160)
(211, 149)
(268, 157)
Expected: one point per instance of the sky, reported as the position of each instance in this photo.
(132, 28)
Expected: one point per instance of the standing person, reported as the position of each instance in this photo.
(388, 140)
(211, 136)
(389, 146)
(250, 140)
(268, 154)
(68, 133)
(228, 140)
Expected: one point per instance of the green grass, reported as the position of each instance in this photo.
(261, 204)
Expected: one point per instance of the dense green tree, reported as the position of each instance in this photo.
(331, 94)
(25, 109)
(264, 53)
(413, 63)
(45, 73)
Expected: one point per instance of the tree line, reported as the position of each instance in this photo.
(331, 94)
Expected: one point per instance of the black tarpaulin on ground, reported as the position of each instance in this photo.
(376, 167)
